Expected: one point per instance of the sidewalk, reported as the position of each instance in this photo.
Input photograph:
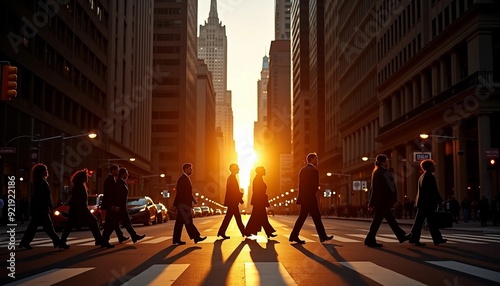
(461, 226)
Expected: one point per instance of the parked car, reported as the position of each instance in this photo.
(197, 212)
(218, 212)
(60, 214)
(162, 215)
(142, 210)
(205, 211)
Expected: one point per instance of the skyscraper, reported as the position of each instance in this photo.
(212, 48)
(282, 19)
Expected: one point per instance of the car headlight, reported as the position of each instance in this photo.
(92, 211)
(57, 213)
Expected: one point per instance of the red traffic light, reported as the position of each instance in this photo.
(9, 82)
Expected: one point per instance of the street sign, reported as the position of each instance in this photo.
(356, 185)
(363, 185)
(491, 153)
(420, 156)
(7, 150)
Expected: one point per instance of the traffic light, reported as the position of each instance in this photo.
(9, 82)
(492, 164)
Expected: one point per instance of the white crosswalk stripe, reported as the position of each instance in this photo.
(469, 269)
(51, 277)
(380, 274)
(340, 238)
(379, 238)
(267, 273)
(474, 237)
(158, 274)
(262, 273)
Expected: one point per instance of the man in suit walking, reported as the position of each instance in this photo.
(426, 202)
(308, 187)
(183, 202)
(232, 199)
(383, 196)
(109, 189)
(118, 210)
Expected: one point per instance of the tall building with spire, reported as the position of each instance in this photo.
(212, 48)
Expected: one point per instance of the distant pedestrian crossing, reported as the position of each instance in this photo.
(270, 273)
(477, 239)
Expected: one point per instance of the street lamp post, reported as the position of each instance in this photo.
(91, 135)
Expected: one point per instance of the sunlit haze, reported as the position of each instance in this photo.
(249, 30)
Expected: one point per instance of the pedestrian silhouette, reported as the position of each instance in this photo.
(110, 188)
(232, 199)
(79, 213)
(41, 208)
(383, 196)
(308, 188)
(183, 203)
(427, 201)
(260, 201)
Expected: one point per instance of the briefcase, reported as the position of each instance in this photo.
(443, 219)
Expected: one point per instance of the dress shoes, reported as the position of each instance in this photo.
(63, 246)
(297, 240)
(223, 236)
(179, 242)
(56, 243)
(440, 241)
(328, 237)
(123, 238)
(417, 243)
(373, 244)
(271, 235)
(199, 238)
(137, 237)
(107, 245)
(26, 246)
(406, 237)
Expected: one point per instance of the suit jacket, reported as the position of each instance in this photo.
(428, 194)
(119, 199)
(308, 185)
(259, 196)
(109, 191)
(41, 201)
(184, 190)
(233, 195)
(383, 189)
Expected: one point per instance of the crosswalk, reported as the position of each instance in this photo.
(270, 273)
(344, 238)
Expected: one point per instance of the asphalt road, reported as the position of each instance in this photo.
(469, 258)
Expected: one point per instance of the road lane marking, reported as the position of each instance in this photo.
(469, 269)
(267, 273)
(378, 237)
(380, 274)
(341, 239)
(72, 242)
(157, 240)
(474, 237)
(158, 274)
(51, 277)
(463, 240)
(302, 238)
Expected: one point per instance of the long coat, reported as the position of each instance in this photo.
(233, 195)
(259, 196)
(383, 190)
(109, 191)
(308, 185)
(41, 201)
(428, 194)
